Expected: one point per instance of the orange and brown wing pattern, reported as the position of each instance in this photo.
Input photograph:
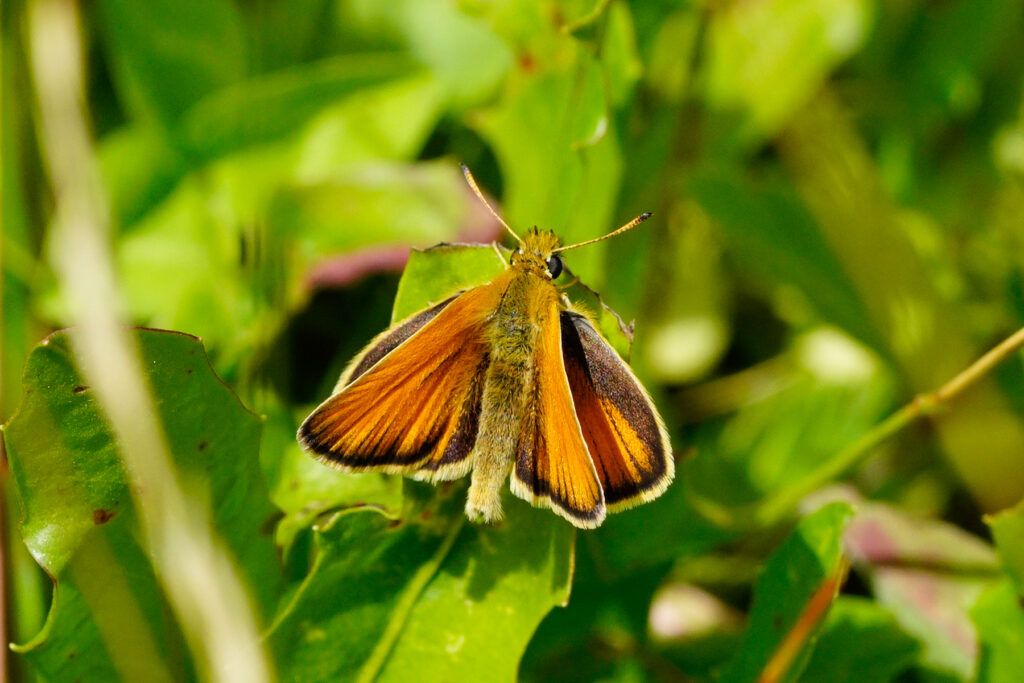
(410, 403)
(552, 467)
(387, 341)
(627, 440)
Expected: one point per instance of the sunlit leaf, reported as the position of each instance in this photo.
(792, 598)
(1008, 531)
(766, 59)
(434, 274)
(467, 59)
(428, 593)
(999, 618)
(108, 616)
(272, 106)
(560, 161)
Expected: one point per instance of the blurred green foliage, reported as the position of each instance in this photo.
(838, 190)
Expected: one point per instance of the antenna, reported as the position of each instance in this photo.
(628, 226)
(480, 195)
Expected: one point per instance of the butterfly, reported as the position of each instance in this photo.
(502, 380)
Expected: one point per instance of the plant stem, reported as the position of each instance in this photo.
(773, 508)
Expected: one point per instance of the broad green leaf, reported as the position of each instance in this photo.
(1008, 532)
(792, 597)
(427, 595)
(999, 618)
(560, 161)
(108, 615)
(386, 122)
(373, 204)
(270, 107)
(167, 55)
(304, 488)
(767, 59)
(495, 587)
(860, 642)
(466, 58)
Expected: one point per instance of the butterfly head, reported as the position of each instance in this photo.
(536, 253)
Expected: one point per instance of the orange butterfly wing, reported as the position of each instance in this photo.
(553, 467)
(626, 438)
(410, 403)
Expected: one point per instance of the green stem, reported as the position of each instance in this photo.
(770, 510)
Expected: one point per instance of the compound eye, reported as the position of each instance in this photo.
(554, 266)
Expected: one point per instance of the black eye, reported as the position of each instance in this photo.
(554, 266)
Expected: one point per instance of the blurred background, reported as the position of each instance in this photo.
(838, 197)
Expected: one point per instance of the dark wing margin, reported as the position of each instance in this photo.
(624, 433)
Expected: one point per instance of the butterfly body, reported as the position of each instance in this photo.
(504, 380)
(526, 303)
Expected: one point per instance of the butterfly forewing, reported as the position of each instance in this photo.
(552, 467)
(624, 434)
(412, 400)
(388, 341)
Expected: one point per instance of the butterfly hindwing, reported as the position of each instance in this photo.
(625, 436)
(410, 403)
(552, 466)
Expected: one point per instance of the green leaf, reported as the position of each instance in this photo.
(373, 204)
(304, 488)
(859, 642)
(805, 571)
(466, 58)
(999, 618)
(1008, 531)
(270, 107)
(168, 54)
(619, 56)
(428, 595)
(560, 160)
(765, 60)
(108, 616)
(434, 274)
